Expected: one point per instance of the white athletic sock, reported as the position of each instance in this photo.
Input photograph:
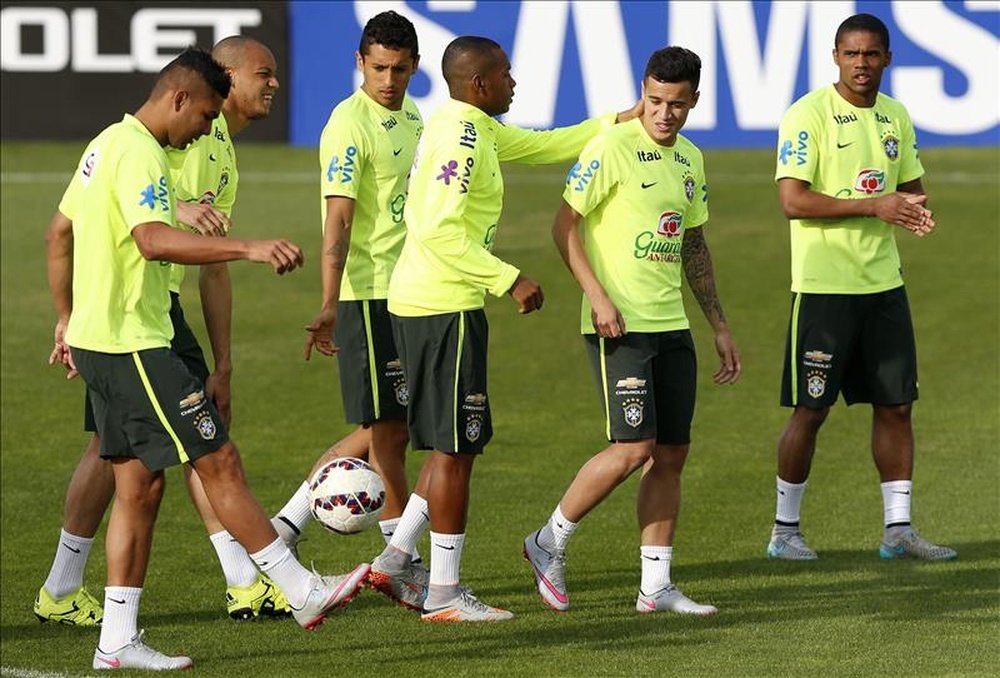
(237, 567)
(121, 617)
(446, 556)
(388, 528)
(655, 567)
(411, 525)
(293, 516)
(556, 533)
(66, 575)
(896, 496)
(789, 501)
(277, 561)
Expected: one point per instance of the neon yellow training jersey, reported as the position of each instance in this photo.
(204, 172)
(846, 152)
(121, 301)
(365, 153)
(455, 200)
(638, 199)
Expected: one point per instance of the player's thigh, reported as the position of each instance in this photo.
(372, 384)
(819, 348)
(886, 370)
(623, 369)
(675, 379)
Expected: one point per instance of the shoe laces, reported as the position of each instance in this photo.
(470, 601)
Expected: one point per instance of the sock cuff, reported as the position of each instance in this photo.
(785, 485)
(220, 537)
(125, 593)
(656, 552)
(272, 554)
(446, 540)
(897, 485)
(562, 520)
(75, 540)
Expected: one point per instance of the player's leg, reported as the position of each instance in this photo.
(821, 329)
(293, 517)
(63, 598)
(887, 378)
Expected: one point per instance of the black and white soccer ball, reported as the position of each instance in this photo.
(346, 495)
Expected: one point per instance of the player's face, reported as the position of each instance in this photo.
(386, 74)
(861, 58)
(498, 85)
(255, 81)
(194, 113)
(665, 108)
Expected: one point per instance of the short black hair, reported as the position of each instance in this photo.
(674, 64)
(389, 29)
(198, 61)
(460, 53)
(863, 22)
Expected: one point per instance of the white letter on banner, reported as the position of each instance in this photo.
(55, 39)
(86, 56)
(433, 40)
(969, 48)
(148, 39)
(538, 56)
(692, 25)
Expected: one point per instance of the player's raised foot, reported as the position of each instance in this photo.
(907, 543)
(138, 655)
(260, 599)
(327, 593)
(789, 544)
(465, 607)
(670, 599)
(550, 572)
(75, 609)
(406, 585)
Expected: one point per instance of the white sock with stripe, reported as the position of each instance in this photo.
(389, 528)
(896, 498)
(789, 503)
(293, 516)
(66, 574)
(655, 568)
(121, 617)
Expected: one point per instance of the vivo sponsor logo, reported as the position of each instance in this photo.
(69, 37)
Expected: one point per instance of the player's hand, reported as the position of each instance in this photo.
(284, 256)
(217, 389)
(906, 210)
(729, 359)
(606, 317)
(60, 350)
(202, 218)
(527, 294)
(634, 112)
(321, 334)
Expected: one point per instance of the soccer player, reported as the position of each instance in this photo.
(150, 411)
(436, 298)
(848, 175)
(640, 190)
(206, 179)
(366, 151)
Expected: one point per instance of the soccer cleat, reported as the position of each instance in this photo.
(550, 573)
(408, 586)
(465, 607)
(908, 544)
(327, 593)
(789, 545)
(670, 599)
(260, 599)
(138, 655)
(76, 609)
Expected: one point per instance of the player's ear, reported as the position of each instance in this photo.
(694, 99)
(180, 98)
(416, 62)
(359, 59)
(888, 57)
(478, 82)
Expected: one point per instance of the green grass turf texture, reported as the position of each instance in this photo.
(847, 614)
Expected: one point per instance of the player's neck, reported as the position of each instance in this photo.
(150, 120)
(234, 121)
(866, 100)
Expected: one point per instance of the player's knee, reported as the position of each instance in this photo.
(897, 415)
(222, 465)
(811, 418)
(143, 497)
(634, 454)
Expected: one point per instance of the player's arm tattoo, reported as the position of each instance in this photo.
(338, 253)
(697, 262)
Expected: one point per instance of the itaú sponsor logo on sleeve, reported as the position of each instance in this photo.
(69, 37)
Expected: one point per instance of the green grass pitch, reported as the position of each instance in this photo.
(847, 614)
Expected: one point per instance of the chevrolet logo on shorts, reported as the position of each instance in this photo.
(476, 398)
(630, 382)
(192, 400)
(818, 356)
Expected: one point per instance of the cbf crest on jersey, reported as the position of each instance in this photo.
(689, 186)
(891, 145)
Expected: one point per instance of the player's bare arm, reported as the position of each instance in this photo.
(217, 309)
(700, 275)
(158, 241)
(59, 258)
(336, 246)
(607, 319)
(901, 209)
(634, 112)
(202, 218)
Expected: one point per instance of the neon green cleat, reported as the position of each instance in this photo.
(260, 599)
(76, 609)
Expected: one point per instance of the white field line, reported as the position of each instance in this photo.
(61, 178)
(17, 672)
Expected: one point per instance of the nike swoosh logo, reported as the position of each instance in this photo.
(71, 548)
(645, 185)
(648, 558)
(840, 145)
(397, 152)
(113, 663)
(120, 602)
(648, 604)
(781, 492)
(211, 156)
(446, 548)
(263, 563)
(425, 515)
(898, 492)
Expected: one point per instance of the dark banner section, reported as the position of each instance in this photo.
(72, 68)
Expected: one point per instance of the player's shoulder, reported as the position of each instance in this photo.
(888, 103)
(812, 104)
(688, 148)
(350, 114)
